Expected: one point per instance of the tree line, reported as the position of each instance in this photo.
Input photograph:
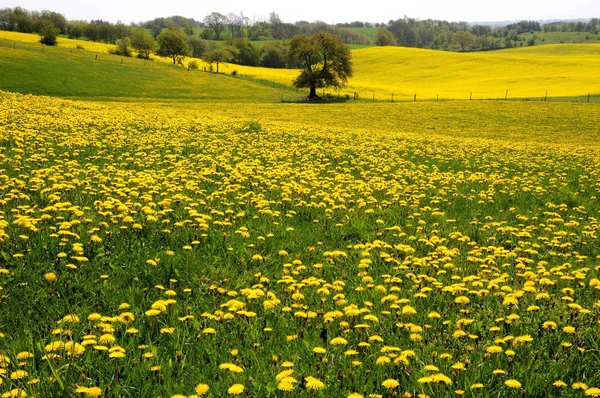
(238, 31)
(460, 36)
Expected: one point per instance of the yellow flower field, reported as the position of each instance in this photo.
(162, 251)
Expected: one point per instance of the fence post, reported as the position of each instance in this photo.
(392, 97)
(506, 95)
(415, 99)
(546, 96)
(471, 97)
(96, 57)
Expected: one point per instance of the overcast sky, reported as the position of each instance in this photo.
(328, 11)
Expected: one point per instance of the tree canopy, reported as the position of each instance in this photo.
(142, 43)
(218, 55)
(172, 43)
(325, 61)
(48, 33)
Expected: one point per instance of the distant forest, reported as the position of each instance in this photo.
(238, 32)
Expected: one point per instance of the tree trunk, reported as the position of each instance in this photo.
(217, 67)
(313, 93)
(173, 60)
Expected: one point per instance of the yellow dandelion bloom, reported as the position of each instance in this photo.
(313, 383)
(236, 389)
(390, 383)
(18, 374)
(202, 389)
(559, 384)
(512, 383)
(593, 392)
(89, 391)
(15, 393)
(338, 341)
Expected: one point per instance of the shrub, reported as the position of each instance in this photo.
(122, 48)
(193, 65)
(48, 33)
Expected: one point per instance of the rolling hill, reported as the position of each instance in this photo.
(563, 71)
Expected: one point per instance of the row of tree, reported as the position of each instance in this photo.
(461, 36)
(406, 32)
(175, 44)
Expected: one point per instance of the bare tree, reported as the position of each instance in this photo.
(217, 23)
(236, 24)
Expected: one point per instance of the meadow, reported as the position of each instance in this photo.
(194, 236)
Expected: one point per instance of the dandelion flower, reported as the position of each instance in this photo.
(202, 389)
(18, 374)
(559, 384)
(236, 389)
(593, 392)
(390, 383)
(313, 383)
(89, 391)
(512, 383)
(338, 341)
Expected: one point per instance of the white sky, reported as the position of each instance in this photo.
(328, 11)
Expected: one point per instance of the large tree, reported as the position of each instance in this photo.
(172, 43)
(218, 56)
(464, 39)
(384, 37)
(325, 59)
(217, 23)
(142, 43)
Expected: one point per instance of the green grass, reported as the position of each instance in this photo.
(77, 74)
(369, 32)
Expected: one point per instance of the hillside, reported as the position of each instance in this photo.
(72, 73)
(563, 71)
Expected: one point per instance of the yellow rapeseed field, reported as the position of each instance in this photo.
(560, 70)
(170, 251)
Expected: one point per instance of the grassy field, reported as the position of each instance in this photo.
(75, 73)
(369, 32)
(170, 234)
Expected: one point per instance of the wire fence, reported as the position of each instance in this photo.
(291, 94)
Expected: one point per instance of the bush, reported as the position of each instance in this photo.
(122, 48)
(234, 72)
(273, 56)
(48, 33)
(193, 65)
